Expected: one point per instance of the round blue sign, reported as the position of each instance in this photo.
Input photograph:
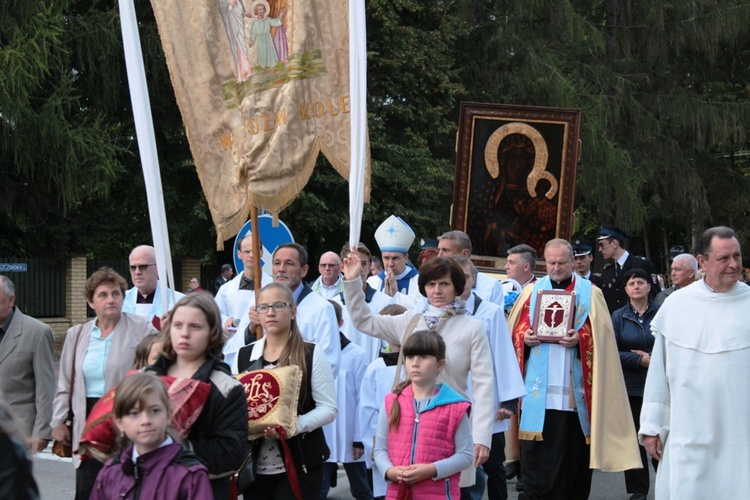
(271, 237)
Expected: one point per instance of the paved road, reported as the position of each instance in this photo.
(56, 480)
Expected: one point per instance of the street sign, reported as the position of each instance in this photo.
(271, 238)
(13, 267)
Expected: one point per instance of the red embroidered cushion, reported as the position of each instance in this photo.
(272, 397)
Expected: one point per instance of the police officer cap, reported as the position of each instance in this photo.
(426, 243)
(582, 247)
(608, 231)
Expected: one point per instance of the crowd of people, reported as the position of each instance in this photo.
(435, 381)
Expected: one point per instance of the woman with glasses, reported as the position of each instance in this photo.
(95, 358)
(283, 345)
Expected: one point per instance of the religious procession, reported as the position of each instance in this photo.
(510, 220)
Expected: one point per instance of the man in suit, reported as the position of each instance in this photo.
(683, 271)
(582, 259)
(611, 243)
(27, 373)
(226, 274)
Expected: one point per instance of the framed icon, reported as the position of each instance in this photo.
(554, 313)
(515, 177)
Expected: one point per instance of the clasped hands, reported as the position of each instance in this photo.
(411, 474)
(569, 340)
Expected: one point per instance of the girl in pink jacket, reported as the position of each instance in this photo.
(424, 438)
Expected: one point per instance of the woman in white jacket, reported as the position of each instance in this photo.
(441, 281)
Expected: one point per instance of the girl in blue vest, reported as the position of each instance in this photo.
(424, 437)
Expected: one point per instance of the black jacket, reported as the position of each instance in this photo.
(613, 281)
(16, 480)
(631, 334)
(219, 436)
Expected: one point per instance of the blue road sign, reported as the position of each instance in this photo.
(12, 267)
(271, 237)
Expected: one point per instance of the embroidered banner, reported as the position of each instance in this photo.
(263, 87)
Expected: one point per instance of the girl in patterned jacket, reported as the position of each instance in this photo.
(424, 437)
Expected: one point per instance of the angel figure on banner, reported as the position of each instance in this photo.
(233, 14)
(259, 33)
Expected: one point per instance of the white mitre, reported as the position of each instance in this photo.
(394, 235)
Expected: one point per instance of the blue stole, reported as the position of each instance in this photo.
(535, 403)
(403, 283)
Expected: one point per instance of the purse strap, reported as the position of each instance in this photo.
(409, 328)
(73, 372)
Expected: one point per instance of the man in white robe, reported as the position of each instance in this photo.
(144, 299)
(485, 286)
(234, 296)
(316, 318)
(375, 301)
(696, 416)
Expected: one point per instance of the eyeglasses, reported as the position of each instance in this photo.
(326, 266)
(276, 306)
(141, 267)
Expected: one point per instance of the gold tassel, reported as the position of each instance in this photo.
(530, 436)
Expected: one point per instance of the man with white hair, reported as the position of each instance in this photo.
(684, 269)
(329, 285)
(398, 279)
(144, 299)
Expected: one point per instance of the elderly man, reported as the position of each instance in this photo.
(684, 268)
(695, 413)
(459, 243)
(315, 318)
(611, 243)
(398, 280)
(235, 295)
(509, 386)
(576, 392)
(27, 372)
(329, 285)
(144, 299)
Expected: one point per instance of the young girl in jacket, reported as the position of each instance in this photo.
(153, 466)
(283, 345)
(424, 437)
(193, 340)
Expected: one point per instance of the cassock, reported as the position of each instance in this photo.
(316, 320)
(375, 301)
(376, 383)
(600, 404)
(408, 287)
(232, 301)
(150, 309)
(343, 432)
(692, 400)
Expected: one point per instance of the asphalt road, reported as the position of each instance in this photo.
(56, 480)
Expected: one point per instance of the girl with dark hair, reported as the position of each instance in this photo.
(283, 345)
(193, 340)
(152, 465)
(468, 354)
(632, 325)
(424, 438)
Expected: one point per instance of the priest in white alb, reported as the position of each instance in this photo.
(696, 414)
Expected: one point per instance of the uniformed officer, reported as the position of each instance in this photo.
(611, 242)
(582, 259)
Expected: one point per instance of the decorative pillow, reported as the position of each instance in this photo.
(272, 397)
(186, 396)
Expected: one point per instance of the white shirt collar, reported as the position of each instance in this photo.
(166, 442)
(623, 258)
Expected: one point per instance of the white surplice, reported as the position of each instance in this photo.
(695, 398)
